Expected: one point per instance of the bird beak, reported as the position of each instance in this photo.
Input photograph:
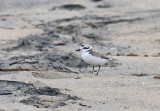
(78, 49)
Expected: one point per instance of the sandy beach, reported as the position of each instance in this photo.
(41, 71)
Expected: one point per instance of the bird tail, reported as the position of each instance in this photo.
(112, 62)
(113, 59)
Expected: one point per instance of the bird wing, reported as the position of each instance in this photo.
(97, 54)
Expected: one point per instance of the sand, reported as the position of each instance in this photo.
(38, 42)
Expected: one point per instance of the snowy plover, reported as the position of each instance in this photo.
(93, 58)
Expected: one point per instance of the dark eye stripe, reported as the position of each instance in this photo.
(85, 48)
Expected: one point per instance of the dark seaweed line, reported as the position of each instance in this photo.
(6, 70)
(117, 21)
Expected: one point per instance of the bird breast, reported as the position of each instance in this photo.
(93, 60)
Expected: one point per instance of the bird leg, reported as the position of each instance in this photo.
(98, 69)
(93, 70)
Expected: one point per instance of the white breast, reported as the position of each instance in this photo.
(93, 60)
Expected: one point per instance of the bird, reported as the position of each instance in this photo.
(92, 57)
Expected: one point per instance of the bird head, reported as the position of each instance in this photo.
(84, 48)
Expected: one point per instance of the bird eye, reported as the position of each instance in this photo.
(85, 48)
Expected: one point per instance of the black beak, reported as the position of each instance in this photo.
(78, 49)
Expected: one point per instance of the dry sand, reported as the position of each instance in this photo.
(43, 36)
